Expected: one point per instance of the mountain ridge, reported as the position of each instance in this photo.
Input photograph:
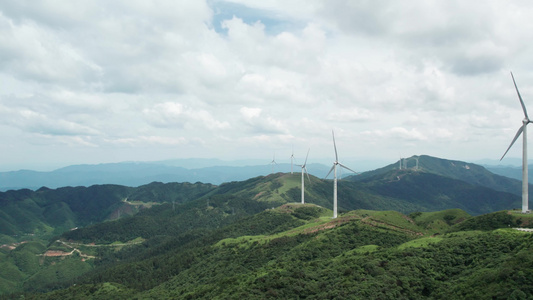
(46, 210)
(253, 239)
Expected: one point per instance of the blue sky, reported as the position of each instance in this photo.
(100, 81)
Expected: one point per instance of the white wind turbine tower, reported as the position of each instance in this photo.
(273, 162)
(522, 129)
(292, 158)
(334, 169)
(304, 169)
(403, 163)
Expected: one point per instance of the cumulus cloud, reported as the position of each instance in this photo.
(173, 114)
(350, 115)
(397, 133)
(206, 75)
(259, 123)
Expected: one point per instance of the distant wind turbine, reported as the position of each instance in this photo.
(304, 169)
(403, 164)
(522, 129)
(334, 169)
(292, 158)
(406, 160)
(273, 162)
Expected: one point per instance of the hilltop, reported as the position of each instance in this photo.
(459, 170)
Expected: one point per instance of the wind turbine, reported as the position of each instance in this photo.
(292, 158)
(304, 169)
(334, 169)
(403, 164)
(273, 162)
(522, 129)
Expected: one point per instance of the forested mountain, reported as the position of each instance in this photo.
(459, 170)
(401, 234)
(47, 212)
(510, 171)
(52, 211)
(298, 251)
(429, 192)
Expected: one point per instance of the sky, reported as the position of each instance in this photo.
(88, 82)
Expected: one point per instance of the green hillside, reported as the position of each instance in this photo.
(297, 251)
(439, 185)
(406, 191)
(430, 192)
(402, 234)
(47, 212)
(459, 170)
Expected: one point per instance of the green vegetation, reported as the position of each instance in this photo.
(253, 240)
(440, 221)
(456, 170)
(346, 258)
(49, 212)
(296, 251)
(421, 242)
(501, 219)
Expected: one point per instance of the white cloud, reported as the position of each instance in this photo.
(250, 113)
(261, 124)
(176, 115)
(398, 133)
(350, 115)
(206, 119)
(207, 77)
(165, 114)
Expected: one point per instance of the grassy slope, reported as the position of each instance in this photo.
(364, 253)
(355, 258)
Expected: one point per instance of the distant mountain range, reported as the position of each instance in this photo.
(139, 173)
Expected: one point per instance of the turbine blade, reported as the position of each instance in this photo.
(347, 168)
(305, 162)
(330, 171)
(335, 146)
(520, 97)
(307, 174)
(514, 140)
